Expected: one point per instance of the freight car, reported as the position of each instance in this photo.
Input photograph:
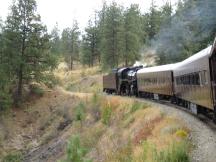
(190, 83)
(110, 82)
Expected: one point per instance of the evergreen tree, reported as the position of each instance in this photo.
(1, 38)
(71, 44)
(154, 21)
(167, 13)
(90, 48)
(144, 34)
(101, 29)
(5, 97)
(27, 45)
(55, 41)
(132, 33)
(112, 42)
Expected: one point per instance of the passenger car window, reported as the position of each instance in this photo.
(203, 77)
(189, 79)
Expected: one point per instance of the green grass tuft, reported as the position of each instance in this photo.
(178, 152)
(13, 157)
(80, 111)
(106, 114)
(136, 106)
(75, 152)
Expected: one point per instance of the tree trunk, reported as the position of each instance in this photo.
(20, 86)
(126, 61)
(18, 98)
(71, 63)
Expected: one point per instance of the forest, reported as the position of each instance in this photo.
(115, 36)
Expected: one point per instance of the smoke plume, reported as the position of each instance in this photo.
(194, 24)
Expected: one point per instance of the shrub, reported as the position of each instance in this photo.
(136, 106)
(80, 112)
(106, 114)
(75, 152)
(181, 133)
(50, 80)
(5, 101)
(13, 157)
(37, 90)
(95, 100)
(177, 153)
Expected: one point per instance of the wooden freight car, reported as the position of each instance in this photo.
(110, 82)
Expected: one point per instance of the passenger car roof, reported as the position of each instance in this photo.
(168, 67)
(204, 53)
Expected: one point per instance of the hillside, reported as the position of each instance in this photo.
(52, 104)
(110, 128)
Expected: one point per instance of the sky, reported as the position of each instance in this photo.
(64, 12)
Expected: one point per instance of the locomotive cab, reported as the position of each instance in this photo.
(128, 81)
(123, 84)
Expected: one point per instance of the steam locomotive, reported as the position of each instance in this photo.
(190, 83)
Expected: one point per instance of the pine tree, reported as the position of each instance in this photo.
(154, 21)
(26, 46)
(112, 42)
(5, 97)
(167, 13)
(101, 29)
(1, 38)
(132, 33)
(90, 45)
(55, 41)
(71, 44)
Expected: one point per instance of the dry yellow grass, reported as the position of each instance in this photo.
(80, 79)
(133, 130)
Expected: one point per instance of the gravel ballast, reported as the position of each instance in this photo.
(202, 133)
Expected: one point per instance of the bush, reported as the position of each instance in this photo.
(95, 104)
(181, 133)
(106, 114)
(5, 101)
(48, 79)
(136, 106)
(35, 89)
(95, 99)
(80, 112)
(13, 157)
(177, 153)
(75, 153)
